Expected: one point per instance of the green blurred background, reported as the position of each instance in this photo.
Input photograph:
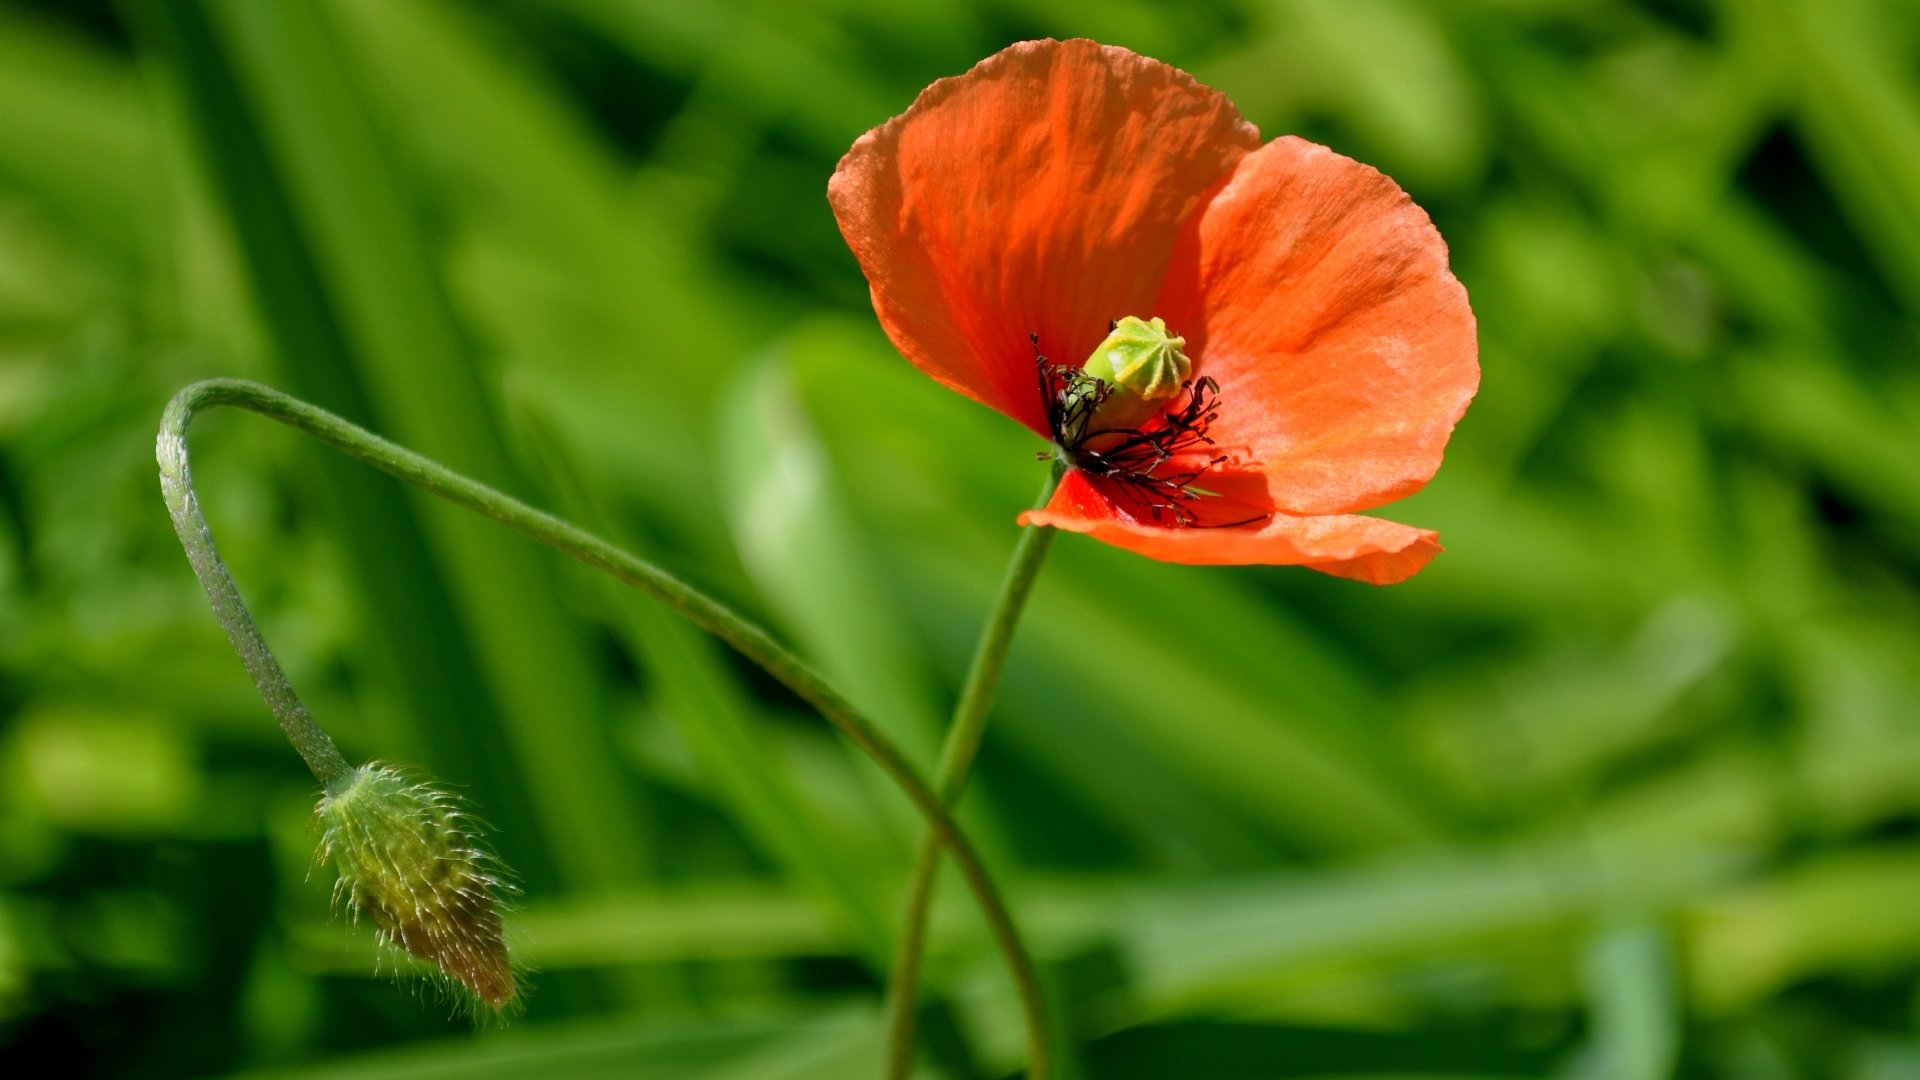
(1625, 785)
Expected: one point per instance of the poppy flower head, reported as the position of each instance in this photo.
(1273, 338)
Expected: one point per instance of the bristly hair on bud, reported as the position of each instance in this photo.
(409, 861)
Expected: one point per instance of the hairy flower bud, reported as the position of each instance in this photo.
(408, 862)
(1139, 356)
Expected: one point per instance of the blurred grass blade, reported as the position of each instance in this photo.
(322, 199)
(1850, 910)
(1256, 939)
(1635, 1000)
(72, 132)
(805, 552)
(795, 1048)
(810, 561)
(762, 58)
(1856, 434)
(1859, 109)
(416, 640)
(716, 717)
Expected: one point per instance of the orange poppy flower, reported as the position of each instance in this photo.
(1276, 341)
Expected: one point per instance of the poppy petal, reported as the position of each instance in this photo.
(1041, 192)
(1318, 296)
(1345, 545)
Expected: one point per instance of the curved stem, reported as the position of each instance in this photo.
(708, 614)
(956, 760)
(314, 745)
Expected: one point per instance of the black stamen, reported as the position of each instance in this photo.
(1129, 457)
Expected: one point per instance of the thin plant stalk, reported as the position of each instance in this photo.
(956, 761)
(710, 615)
(309, 739)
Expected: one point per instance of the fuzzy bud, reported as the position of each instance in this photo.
(408, 862)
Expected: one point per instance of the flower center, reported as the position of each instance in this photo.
(1134, 415)
(1139, 357)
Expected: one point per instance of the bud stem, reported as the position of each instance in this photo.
(312, 742)
(710, 615)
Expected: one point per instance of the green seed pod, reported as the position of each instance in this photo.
(1139, 356)
(408, 862)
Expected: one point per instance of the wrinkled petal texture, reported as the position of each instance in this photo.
(1315, 292)
(1041, 192)
(1344, 545)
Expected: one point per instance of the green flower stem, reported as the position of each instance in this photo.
(956, 760)
(751, 641)
(314, 745)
